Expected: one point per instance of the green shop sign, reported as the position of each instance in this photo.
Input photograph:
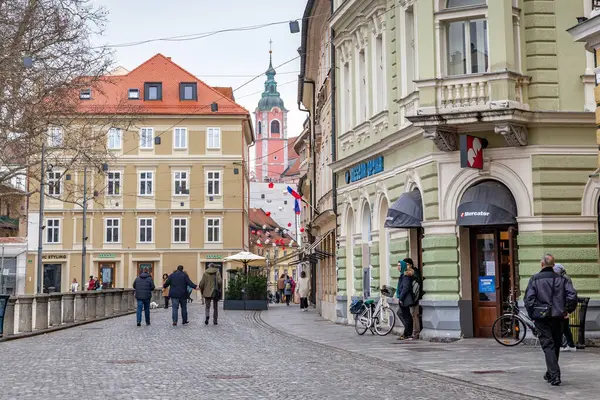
(214, 256)
(107, 255)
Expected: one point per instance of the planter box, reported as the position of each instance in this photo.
(233, 305)
(256, 305)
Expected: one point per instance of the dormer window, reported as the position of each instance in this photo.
(153, 91)
(133, 94)
(85, 94)
(188, 91)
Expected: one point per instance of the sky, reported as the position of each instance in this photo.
(238, 55)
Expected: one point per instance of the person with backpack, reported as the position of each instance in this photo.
(417, 288)
(404, 292)
(287, 290)
(210, 289)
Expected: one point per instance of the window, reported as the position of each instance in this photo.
(112, 230)
(213, 179)
(147, 138)
(214, 138)
(274, 157)
(146, 230)
(410, 55)
(379, 94)
(213, 230)
(346, 100)
(181, 183)
(259, 128)
(146, 183)
(114, 139)
(275, 128)
(133, 94)
(467, 46)
(188, 91)
(53, 231)
(153, 91)
(262, 196)
(464, 3)
(180, 230)
(180, 138)
(85, 94)
(54, 183)
(55, 137)
(362, 86)
(114, 183)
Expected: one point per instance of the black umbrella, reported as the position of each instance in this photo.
(406, 212)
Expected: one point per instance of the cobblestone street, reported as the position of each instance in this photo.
(242, 357)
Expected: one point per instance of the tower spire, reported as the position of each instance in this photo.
(270, 97)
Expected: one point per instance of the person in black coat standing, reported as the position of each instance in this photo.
(178, 282)
(143, 285)
(405, 299)
(548, 298)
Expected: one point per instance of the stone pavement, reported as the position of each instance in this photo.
(241, 358)
(478, 361)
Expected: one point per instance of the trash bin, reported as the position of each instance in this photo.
(3, 302)
(577, 321)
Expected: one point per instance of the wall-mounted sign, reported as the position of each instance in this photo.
(365, 169)
(107, 255)
(54, 256)
(214, 256)
(471, 151)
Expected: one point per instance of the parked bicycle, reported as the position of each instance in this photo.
(376, 316)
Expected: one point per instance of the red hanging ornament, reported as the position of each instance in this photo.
(289, 224)
(268, 213)
(302, 230)
(271, 185)
(258, 232)
(283, 248)
(253, 232)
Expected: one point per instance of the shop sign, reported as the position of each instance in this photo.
(487, 284)
(107, 255)
(214, 256)
(365, 169)
(471, 151)
(54, 257)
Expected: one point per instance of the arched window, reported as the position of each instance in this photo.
(275, 127)
(259, 128)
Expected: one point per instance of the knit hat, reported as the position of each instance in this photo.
(559, 269)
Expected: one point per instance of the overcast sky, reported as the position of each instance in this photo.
(241, 55)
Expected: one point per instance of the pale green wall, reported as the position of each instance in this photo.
(342, 273)
(500, 25)
(440, 267)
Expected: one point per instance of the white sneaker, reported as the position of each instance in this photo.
(568, 349)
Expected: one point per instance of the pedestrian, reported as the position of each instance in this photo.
(560, 269)
(404, 293)
(165, 291)
(281, 286)
(548, 298)
(178, 283)
(96, 284)
(210, 289)
(417, 286)
(91, 283)
(143, 285)
(302, 289)
(74, 285)
(287, 290)
(99, 285)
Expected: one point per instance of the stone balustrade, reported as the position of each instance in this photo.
(42, 313)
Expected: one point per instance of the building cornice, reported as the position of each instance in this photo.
(587, 32)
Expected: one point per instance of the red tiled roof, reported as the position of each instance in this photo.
(293, 169)
(13, 240)
(225, 91)
(110, 94)
(291, 152)
(259, 218)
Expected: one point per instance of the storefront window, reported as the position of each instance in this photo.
(486, 266)
(8, 276)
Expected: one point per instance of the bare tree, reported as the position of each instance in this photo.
(47, 65)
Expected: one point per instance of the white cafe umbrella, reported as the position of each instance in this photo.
(245, 257)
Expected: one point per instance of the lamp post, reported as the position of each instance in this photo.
(40, 269)
(84, 228)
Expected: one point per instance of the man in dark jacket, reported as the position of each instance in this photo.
(178, 282)
(405, 299)
(143, 285)
(210, 287)
(548, 298)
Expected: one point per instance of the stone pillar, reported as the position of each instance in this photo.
(25, 313)
(9, 317)
(69, 308)
(55, 309)
(131, 300)
(80, 300)
(100, 305)
(90, 309)
(108, 302)
(118, 296)
(41, 311)
(124, 302)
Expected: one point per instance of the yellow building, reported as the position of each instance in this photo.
(175, 190)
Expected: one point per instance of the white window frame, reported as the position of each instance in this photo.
(146, 227)
(53, 228)
(114, 180)
(177, 225)
(115, 139)
(56, 178)
(144, 144)
(146, 180)
(213, 180)
(210, 226)
(176, 143)
(56, 136)
(178, 176)
(213, 142)
(113, 228)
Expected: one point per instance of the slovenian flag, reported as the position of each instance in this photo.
(296, 195)
(297, 207)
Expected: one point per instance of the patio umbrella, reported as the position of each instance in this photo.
(245, 257)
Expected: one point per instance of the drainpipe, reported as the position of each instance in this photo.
(333, 121)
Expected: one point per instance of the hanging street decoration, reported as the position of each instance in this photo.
(268, 213)
(289, 224)
(264, 226)
(296, 195)
(271, 185)
(302, 230)
(253, 232)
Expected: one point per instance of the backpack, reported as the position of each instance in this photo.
(416, 289)
(288, 286)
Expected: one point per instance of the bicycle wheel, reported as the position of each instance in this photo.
(361, 321)
(509, 330)
(385, 321)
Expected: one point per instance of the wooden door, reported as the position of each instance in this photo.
(485, 284)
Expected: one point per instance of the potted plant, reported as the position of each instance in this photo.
(234, 295)
(256, 292)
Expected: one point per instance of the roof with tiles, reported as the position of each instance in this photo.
(259, 218)
(293, 169)
(110, 94)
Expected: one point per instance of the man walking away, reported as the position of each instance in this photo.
(143, 285)
(548, 298)
(560, 269)
(210, 287)
(178, 282)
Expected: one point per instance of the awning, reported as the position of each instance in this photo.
(487, 203)
(406, 212)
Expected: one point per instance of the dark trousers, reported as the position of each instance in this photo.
(303, 302)
(288, 297)
(145, 305)
(175, 303)
(550, 333)
(568, 334)
(166, 301)
(407, 321)
(215, 301)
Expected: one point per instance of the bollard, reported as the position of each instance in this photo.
(117, 298)
(9, 318)
(55, 309)
(41, 311)
(108, 302)
(80, 306)
(25, 304)
(68, 308)
(100, 304)
(90, 309)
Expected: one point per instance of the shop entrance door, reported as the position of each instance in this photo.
(493, 259)
(149, 265)
(107, 275)
(52, 278)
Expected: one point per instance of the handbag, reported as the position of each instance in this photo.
(544, 312)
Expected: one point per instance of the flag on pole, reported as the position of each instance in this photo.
(297, 207)
(294, 193)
